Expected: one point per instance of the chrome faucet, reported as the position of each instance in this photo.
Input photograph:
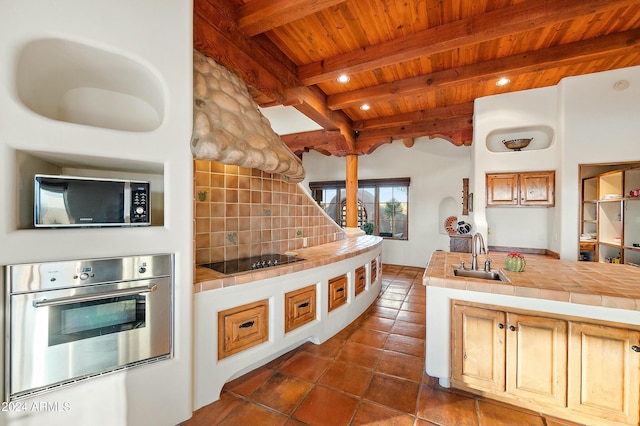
(474, 252)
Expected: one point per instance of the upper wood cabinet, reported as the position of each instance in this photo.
(526, 189)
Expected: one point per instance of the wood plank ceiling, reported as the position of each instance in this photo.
(418, 64)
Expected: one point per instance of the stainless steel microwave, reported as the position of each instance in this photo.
(73, 201)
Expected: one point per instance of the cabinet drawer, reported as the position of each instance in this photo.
(300, 307)
(587, 246)
(242, 327)
(374, 269)
(337, 292)
(361, 280)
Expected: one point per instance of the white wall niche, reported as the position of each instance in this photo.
(77, 83)
(30, 163)
(542, 137)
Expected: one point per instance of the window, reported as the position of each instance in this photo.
(381, 202)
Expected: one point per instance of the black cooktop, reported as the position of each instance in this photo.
(250, 263)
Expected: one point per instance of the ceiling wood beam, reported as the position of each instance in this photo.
(311, 102)
(408, 142)
(458, 126)
(501, 22)
(260, 16)
(321, 140)
(217, 36)
(458, 137)
(624, 43)
(271, 81)
(453, 111)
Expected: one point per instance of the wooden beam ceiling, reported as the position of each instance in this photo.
(456, 35)
(430, 60)
(260, 16)
(574, 53)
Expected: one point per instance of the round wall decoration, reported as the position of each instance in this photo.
(450, 224)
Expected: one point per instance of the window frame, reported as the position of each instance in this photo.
(317, 189)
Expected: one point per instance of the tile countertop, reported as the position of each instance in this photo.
(587, 283)
(208, 279)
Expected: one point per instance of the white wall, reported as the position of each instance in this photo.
(592, 123)
(509, 116)
(583, 120)
(436, 168)
(153, 42)
(599, 125)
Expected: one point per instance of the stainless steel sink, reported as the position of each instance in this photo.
(483, 275)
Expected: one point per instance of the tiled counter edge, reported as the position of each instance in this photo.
(607, 299)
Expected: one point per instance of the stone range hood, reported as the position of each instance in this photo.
(229, 128)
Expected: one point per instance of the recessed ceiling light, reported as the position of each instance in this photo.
(503, 81)
(365, 107)
(343, 78)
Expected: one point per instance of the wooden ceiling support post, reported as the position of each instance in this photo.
(352, 191)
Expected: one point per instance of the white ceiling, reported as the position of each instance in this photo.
(286, 120)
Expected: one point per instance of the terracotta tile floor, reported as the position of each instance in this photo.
(370, 373)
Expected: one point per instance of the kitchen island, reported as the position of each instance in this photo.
(561, 337)
(244, 320)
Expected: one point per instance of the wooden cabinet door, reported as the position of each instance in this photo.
(242, 327)
(537, 358)
(374, 270)
(502, 189)
(299, 307)
(537, 189)
(337, 292)
(478, 348)
(604, 372)
(361, 280)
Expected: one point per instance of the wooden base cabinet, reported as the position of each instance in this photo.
(360, 280)
(537, 359)
(504, 352)
(242, 327)
(478, 348)
(580, 371)
(337, 292)
(299, 307)
(605, 372)
(374, 270)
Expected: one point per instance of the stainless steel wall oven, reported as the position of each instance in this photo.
(71, 320)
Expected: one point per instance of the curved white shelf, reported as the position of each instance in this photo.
(542, 137)
(76, 83)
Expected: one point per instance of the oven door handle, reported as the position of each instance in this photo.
(107, 294)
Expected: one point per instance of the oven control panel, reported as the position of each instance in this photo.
(52, 275)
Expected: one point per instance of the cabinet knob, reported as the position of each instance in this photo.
(635, 348)
(500, 326)
(512, 328)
